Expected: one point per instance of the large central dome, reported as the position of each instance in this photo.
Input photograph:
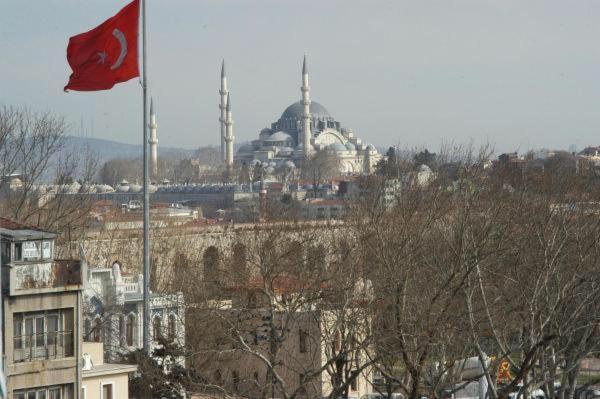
(296, 110)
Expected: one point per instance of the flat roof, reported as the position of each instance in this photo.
(108, 369)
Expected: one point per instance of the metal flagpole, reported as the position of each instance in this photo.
(146, 326)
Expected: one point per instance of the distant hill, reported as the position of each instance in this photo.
(108, 149)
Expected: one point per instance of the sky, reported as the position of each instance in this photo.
(517, 74)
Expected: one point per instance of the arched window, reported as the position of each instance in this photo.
(211, 264)
(172, 327)
(252, 302)
(130, 330)
(239, 263)
(156, 328)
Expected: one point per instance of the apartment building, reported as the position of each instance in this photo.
(41, 299)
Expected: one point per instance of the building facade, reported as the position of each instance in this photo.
(41, 307)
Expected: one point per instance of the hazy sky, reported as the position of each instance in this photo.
(520, 74)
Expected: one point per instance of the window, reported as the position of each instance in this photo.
(18, 251)
(31, 250)
(129, 330)
(46, 249)
(156, 328)
(303, 335)
(107, 391)
(43, 335)
(97, 331)
(172, 327)
(121, 329)
(55, 392)
(5, 252)
(87, 329)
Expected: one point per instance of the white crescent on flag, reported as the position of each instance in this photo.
(123, 42)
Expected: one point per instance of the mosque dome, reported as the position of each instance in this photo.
(279, 136)
(296, 110)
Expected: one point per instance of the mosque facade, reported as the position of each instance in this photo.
(305, 127)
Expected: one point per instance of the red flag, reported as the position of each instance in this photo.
(106, 55)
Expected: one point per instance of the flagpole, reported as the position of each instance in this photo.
(146, 193)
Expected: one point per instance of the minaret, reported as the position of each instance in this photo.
(223, 107)
(153, 141)
(228, 135)
(306, 114)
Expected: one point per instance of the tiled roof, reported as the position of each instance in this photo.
(10, 224)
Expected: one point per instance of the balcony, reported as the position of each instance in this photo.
(44, 346)
(58, 275)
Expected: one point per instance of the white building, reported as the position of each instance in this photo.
(113, 312)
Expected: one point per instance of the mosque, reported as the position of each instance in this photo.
(304, 128)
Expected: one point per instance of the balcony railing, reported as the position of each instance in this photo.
(49, 345)
(28, 277)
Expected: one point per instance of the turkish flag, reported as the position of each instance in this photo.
(106, 55)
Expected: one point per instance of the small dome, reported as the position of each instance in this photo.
(350, 146)
(246, 148)
(266, 130)
(123, 188)
(285, 150)
(424, 168)
(289, 164)
(135, 188)
(279, 136)
(124, 183)
(338, 147)
(370, 147)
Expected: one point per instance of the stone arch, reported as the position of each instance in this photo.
(317, 258)
(239, 262)
(210, 262)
